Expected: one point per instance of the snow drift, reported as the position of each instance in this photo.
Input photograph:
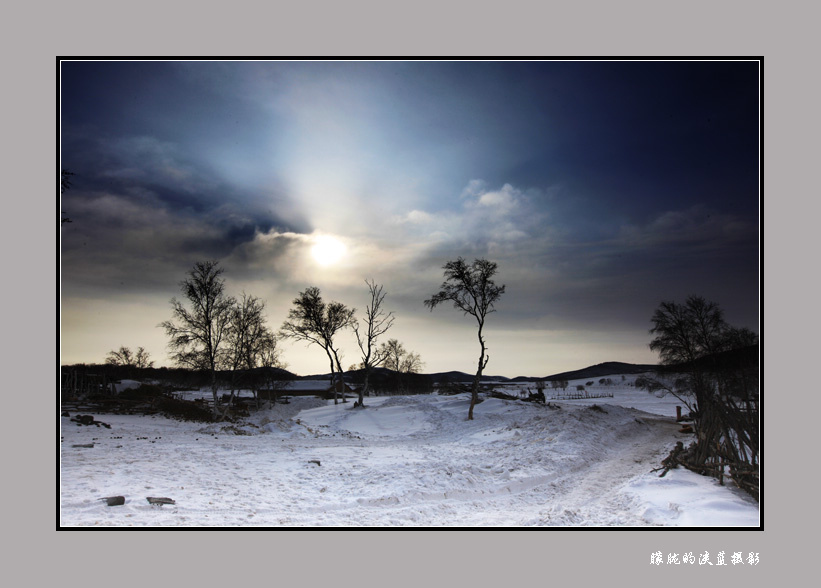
(400, 461)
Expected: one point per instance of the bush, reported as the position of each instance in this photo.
(185, 410)
(144, 392)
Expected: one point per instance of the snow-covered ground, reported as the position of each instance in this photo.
(400, 461)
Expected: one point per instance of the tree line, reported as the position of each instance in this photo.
(212, 331)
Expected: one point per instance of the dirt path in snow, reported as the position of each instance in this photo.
(586, 487)
(593, 495)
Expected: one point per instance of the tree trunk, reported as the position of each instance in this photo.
(214, 390)
(364, 387)
(272, 395)
(341, 373)
(333, 377)
(228, 404)
(474, 396)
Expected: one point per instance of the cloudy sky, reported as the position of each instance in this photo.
(599, 188)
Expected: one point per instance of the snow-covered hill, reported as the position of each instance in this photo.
(401, 461)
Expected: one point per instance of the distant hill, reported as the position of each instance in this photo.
(596, 371)
(734, 359)
(277, 373)
(448, 377)
(600, 370)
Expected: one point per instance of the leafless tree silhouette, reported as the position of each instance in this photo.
(472, 290)
(376, 322)
(316, 322)
(197, 335)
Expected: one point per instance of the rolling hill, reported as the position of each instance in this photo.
(595, 371)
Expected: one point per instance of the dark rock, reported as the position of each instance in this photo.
(159, 500)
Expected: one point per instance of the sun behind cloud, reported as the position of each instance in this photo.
(327, 250)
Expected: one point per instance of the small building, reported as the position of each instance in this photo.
(342, 389)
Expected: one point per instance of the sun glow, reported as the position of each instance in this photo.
(328, 250)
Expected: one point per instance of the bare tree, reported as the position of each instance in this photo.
(375, 323)
(684, 334)
(393, 352)
(399, 359)
(245, 338)
(122, 357)
(411, 364)
(270, 360)
(197, 336)
(127, 358)
(472, 290)
(141, 359)
(689, 338)
(316, 322)
(712, 368)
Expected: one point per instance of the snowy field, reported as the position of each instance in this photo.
(411, 461)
